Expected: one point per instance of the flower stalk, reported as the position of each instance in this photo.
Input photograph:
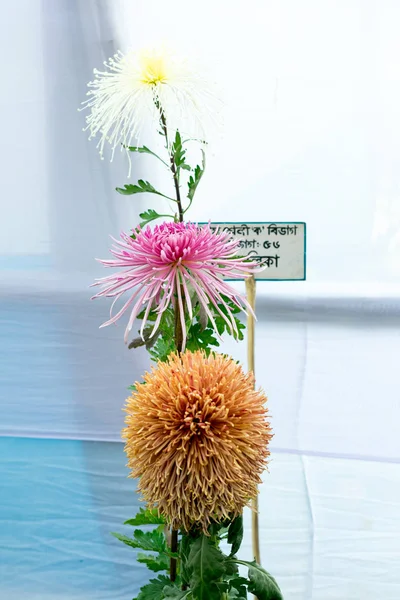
(178, 325)
(163, 123)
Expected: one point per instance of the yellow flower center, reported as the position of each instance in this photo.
(153, 69)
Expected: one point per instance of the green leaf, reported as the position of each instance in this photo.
(148, 216)
(261, 583)
(145, 150)
(124, 538)
(233, 308)
(151, 215)
(206, 567)
(184, 551)
(240, 594)
(165, 343)
(142, 186)
(219, 528)
(235, 534)
(167, 324)
(241, 327)
(139, 188)
(194, 179)
(148, 340)
(222, 325)
(174, 593)
(223, 586)
(179, 154)
(145, 540)
(150, 540)
(200, 339)
(163, 348)
(238, 588)
(152, 316)
(154, 589)
(134, 233)
(145, 516)
(154, 563)
(231, 569)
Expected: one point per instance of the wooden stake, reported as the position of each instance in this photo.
(251, 297)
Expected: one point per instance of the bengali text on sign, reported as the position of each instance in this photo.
(280, 246)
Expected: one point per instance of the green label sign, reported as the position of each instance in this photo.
(280, 246)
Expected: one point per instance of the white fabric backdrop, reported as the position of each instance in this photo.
(311, 133)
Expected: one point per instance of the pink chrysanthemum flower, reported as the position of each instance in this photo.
(161, 266)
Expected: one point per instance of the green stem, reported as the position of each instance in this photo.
(173, 561)
(178, 324)
(164, 196)
(175, 176)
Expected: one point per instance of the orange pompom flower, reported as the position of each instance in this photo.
(197, 437)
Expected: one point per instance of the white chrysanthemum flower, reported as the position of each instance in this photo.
(134, 87)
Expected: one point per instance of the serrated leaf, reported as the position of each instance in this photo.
(231, 569)
(219, 527)
(240, 594)
(134, 233)
(145, 150)
(124, 539)
(222, 326)
(160, 562)
(206, 566)
(148, 340)
(152, 316)
(154, 589)
(235, 534)
(174, 593)
(241, 327)
(139, 188)
(194, 179)
(179, 153)
(162, 349)
(261, 583)
(167, 324)
(150, 540)
(233, 308)
(184, 551)
(145, 540)
(238, 588)
(145, 516)
(148, 216)
(200, 339)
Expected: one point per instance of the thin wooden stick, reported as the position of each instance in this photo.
(251, 297)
